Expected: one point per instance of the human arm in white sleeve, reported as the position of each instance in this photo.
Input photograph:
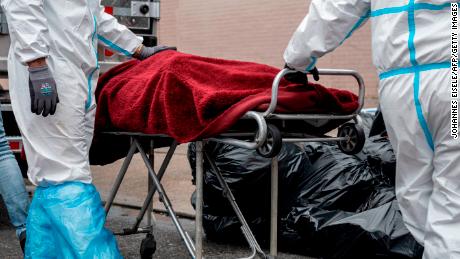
(114, 35)
(28, 27)
(326, 26)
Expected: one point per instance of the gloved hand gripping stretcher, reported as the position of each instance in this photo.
(268, 117)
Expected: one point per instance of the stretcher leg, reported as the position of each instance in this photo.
(148, 244)
(199, 200)
(152, 188)
(274, 209)
(150, 184)
(120, 177)
(250, 238)
(166, 202)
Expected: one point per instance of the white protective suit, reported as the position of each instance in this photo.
(68, 33)
(411, 50)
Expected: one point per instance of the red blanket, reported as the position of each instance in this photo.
(189, 97)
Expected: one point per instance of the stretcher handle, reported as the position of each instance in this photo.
(259, 139)
(334, 72)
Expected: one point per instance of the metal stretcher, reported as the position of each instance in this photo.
(261, 131)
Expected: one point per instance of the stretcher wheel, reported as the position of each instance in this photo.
(273, 143)
(355, 138)
(148, 247)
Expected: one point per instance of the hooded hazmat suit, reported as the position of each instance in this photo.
(411, 50)
(67, 32)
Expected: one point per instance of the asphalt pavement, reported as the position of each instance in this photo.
(178, 185)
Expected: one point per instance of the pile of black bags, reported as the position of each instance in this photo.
(331, 205)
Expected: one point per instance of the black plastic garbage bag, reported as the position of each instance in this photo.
(348, 209)
(378, 125)
(374, 233)
(373, 123)
(332, 205)
(377, 150)
(248, 176)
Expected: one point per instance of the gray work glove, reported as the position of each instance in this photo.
(43, 93)
(150, 51)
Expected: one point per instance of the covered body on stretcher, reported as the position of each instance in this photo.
(190, 98)
(175, 98)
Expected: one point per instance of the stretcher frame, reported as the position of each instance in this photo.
(195, 249)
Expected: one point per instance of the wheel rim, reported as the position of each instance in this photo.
(272, 144)
(267, 146)
(352, 138)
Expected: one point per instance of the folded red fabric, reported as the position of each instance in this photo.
(190, 97)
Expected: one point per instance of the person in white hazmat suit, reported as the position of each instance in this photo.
(411, 50)
(53, 70)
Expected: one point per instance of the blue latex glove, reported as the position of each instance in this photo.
(43, 93)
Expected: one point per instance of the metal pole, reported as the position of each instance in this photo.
(199, 201)
(152, 191)
(274, 209)
(229, 195)
(166, 202)
(150, 184)
(121, 175)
